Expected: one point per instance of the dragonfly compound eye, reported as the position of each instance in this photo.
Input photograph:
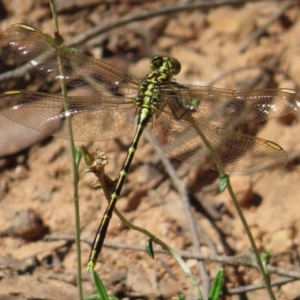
(171, 64)
(156, 62)
(175, 66)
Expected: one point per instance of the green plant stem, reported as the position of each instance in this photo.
(158, 241)
(74, 165)
(221, 170)
(107, 185)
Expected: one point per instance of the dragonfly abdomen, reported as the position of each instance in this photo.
(147, 99)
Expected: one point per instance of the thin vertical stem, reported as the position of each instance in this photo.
(221, 170)
(74, 165)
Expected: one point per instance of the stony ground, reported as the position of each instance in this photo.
(247, 46)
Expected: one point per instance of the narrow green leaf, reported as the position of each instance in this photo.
(223, 182)
(265, 258)
(216, 287)
(78, 155)
(149, 248)
(92, 297)
(88, 157)
(100, 287)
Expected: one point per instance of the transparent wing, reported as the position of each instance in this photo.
(92, 118)
(184, 109)
(80, 70)
(240, 106)
(238, 152)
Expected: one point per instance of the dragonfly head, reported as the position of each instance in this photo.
(171, 65)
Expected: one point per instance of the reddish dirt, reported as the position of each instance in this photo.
(36, 176)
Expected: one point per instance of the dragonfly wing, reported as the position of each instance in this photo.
(238, 152)
(92, 118)
(240, 106)
(80, 70)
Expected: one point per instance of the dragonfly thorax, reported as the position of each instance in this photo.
(169, 64)
(164, 68)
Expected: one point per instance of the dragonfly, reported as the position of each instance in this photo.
(173, 113)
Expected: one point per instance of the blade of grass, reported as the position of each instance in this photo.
(216, 286)
(100, 287)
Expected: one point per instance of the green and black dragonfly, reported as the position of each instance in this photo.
(172, 112)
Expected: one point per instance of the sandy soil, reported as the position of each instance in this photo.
(215, 48)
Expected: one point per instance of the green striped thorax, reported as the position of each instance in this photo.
(164, 68)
